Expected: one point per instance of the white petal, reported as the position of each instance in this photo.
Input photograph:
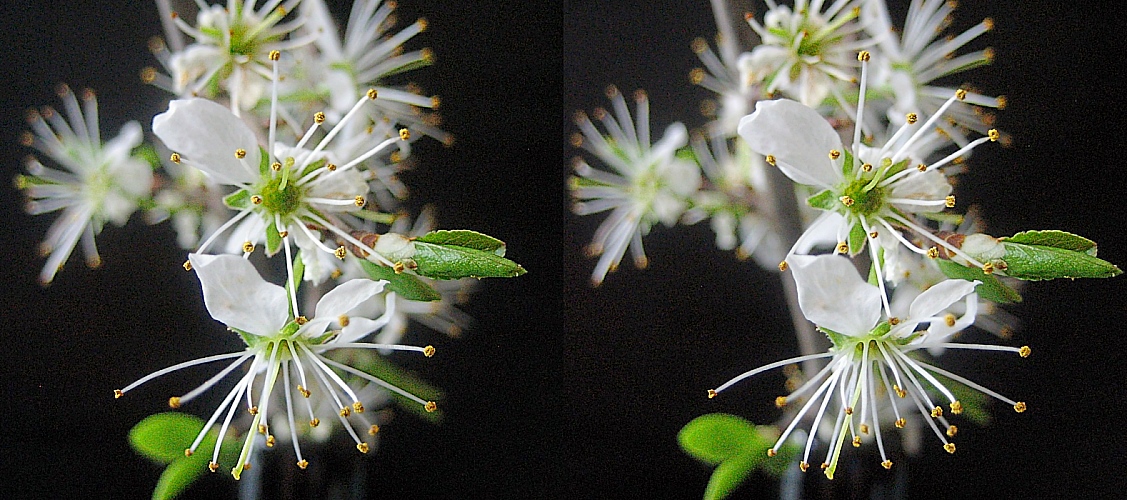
(798, 137)
(832, 295)
(208, 134)
(238, 297)
(939, 297)
(345, 297)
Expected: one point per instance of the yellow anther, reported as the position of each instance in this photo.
(428, 351)
(319, 117)
(398, 267)
(372, 94)
(331, 167)
(988, 54)
(865, 429)
(894, 321)
(780, 401)
(175, 158)
(950, 447)
(803, 466)
(956, 407)
(949, 319)
(949, 201)
(912, 118)
(993, 134)
(301, 320)
(988, 23)
(988, 268)
(187, 265)
(373, 430)
(256, 199)
(174, 402)
(1020, 407)
(952, 430)
(921, 167)
(711, 393)
(340, 254)
(345, 412)
(899, 392)
(246, 466)
(770, 159)
(783, 266)
(771, 452)
(960, 94)
(696, 75)
(835, 154)
(363, 447)
(360, 201)
(276, 166)
(856, 441)
(435, 102)
(404, 134)
(240, 153)
(274, 55)
(253, 410)
(848, 410)
(188, 452)
(887, 464)
(148, 74)
(358, 407)
(1002, 102)
(315, 422)
(936, 412)
(270, 441)
(847, 201)
(302, 464)
(900, 423)
(1024, 352)
(867, 167)
(824, 466)
(842, 247)
(430, 407)
(248, 247)
(117, 393)
(212, 466)
(337, 273)
(933, 253)
(863, 56)
(304, 392)
(873, 235)
(262, 428)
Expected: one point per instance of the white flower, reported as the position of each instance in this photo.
(299, 195)
(277, 341)
(649, 184)
(919, 56)
(804, 53)
(872, 358)
(868, 192)
(231, 49)
(96, 182)
(730, 80)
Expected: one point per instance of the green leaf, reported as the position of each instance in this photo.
(163, 437)
(273, 239)
(857, 237)
(448, 262)
(991, 288)
(730, 475)
(1055, 239)
(179, 475)
(716, 437)
(148, 154)
(406, 285)
(465, 238)
(239, 200)
(1038, 262)
(824, 200)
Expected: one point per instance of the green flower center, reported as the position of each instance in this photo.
(866, 200)
(281, 201)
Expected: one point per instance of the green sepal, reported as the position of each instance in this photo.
(974, 402)
(896, 168)
(686, 153)
(239, 200)
(147, 153)
(836, 339)
(465, 238)
(847, 166)
(406, 285)
(313, 166)
(263, 163)
(857, 237)
(731, 474)
(1046, 255)
(1056, 239)
(991, 288)
(826, 200)
(298, 275)
(164, 437)
(420, 63)
(944, 217)
(449, 262)
(377, 217)
(273, 239)
(873, 269)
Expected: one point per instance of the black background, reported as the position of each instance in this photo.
(561, 389)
